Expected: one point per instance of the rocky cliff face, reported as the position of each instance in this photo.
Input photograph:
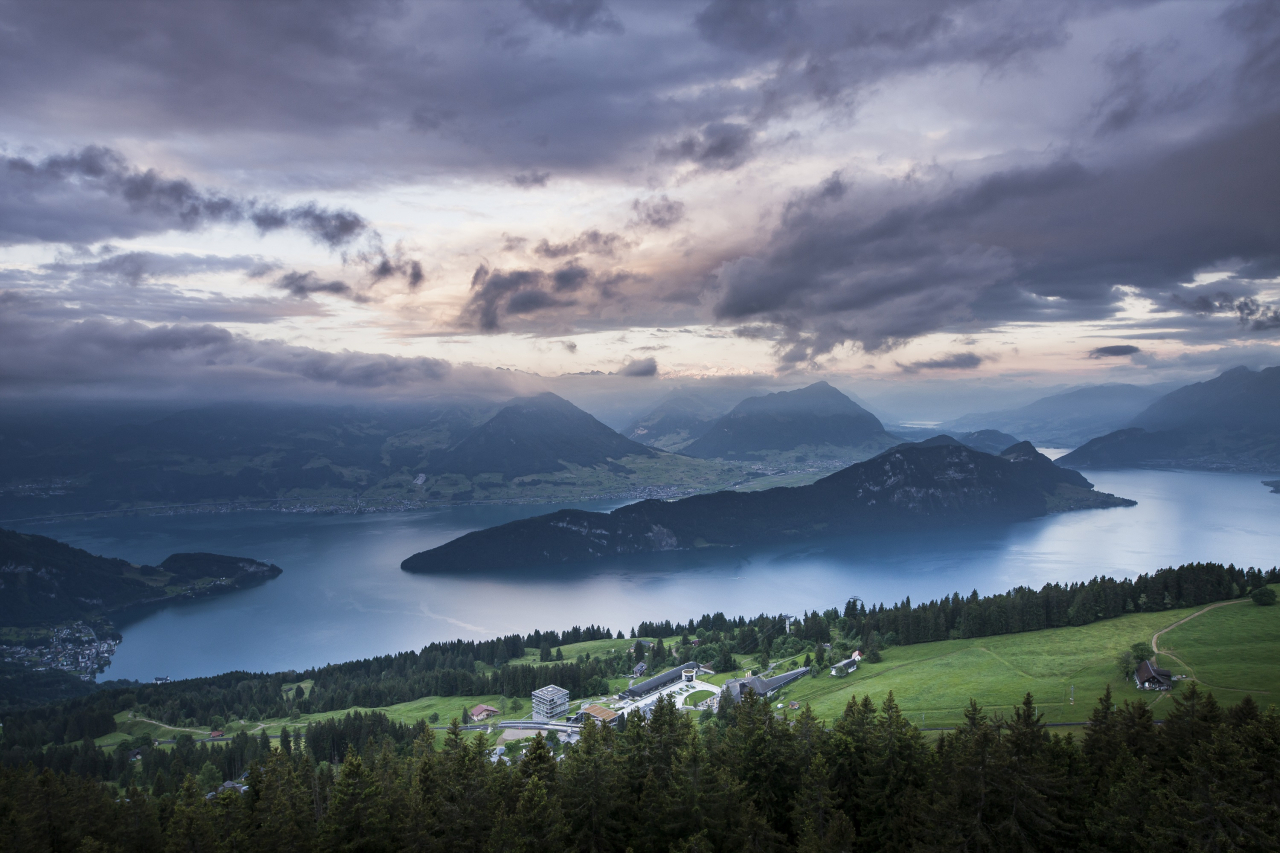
(912, 486)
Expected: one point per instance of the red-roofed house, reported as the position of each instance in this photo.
(483, 712)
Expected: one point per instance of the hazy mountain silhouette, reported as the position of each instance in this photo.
(816, 415)
(534, 435)
(1229, 423)
(682, 416)
(1068, 419)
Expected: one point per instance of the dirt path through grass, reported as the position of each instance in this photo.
(1155, 645)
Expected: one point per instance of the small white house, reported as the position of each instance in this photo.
(843, 668)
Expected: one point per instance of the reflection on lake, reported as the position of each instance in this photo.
(342, 595)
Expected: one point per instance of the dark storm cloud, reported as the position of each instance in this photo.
(747, 25)
(529, 180)
(301, 285)
(94, 194)
(592, 242)
(660, 212)
(355, 91)
(1115, 351)
(1035, 244)
(136, 267)
(640, 367)
(719, 145)
(498, 295)
(575, 17)
(954, 361)
(100, 354)
(491, 290)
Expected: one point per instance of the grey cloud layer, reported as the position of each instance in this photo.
(94, 194)
(1167, 177)
(507, 89)
(1046, 243)
(126, 357)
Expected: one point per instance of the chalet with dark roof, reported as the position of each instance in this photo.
(1151, 677)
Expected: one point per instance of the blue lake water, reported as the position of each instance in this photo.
(342, 595)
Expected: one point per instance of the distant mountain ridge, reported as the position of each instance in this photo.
(63, 461)
(987, 440)
(817, 415)
(1068, 419)
(1228, 423)
(682, 416)
(912, 486)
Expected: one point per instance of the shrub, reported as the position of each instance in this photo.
(1263, 596)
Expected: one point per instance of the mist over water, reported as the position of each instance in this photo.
(343, 596)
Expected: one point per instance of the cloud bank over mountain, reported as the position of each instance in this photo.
(377, 194)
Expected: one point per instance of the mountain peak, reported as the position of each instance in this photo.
(535, 435)
(816, 415)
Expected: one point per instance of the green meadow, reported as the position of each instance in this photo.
(1230, 649)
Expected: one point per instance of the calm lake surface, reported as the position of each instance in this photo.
(342, 595)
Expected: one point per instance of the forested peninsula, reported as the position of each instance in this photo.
(44, 581)
(931, 484)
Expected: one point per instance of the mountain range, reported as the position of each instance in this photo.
(912, 486)
(456, 449)
(1229, 423)
(816, 421)
(1068, 419)
(682, 416)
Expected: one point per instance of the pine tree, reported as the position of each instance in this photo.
(190, 829)
(538, 762)
(357, 818)
(891, 784)
(591, 791)
(541, 823)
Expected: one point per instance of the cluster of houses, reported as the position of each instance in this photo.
(73, 648)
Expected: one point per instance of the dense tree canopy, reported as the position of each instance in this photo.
(746, 780)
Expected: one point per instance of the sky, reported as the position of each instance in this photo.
(939, 207)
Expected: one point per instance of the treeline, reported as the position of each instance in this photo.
(439, 669)
(744, 779)
(1053, 605)
(492, 667)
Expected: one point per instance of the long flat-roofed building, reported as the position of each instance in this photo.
(550, 703)
(644, 688)
(735, 688)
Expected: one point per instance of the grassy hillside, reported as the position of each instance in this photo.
(1230, 649)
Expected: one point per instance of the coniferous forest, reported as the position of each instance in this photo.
(1203, 780)
(746, 778)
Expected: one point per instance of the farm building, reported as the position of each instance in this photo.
(1151, 677)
